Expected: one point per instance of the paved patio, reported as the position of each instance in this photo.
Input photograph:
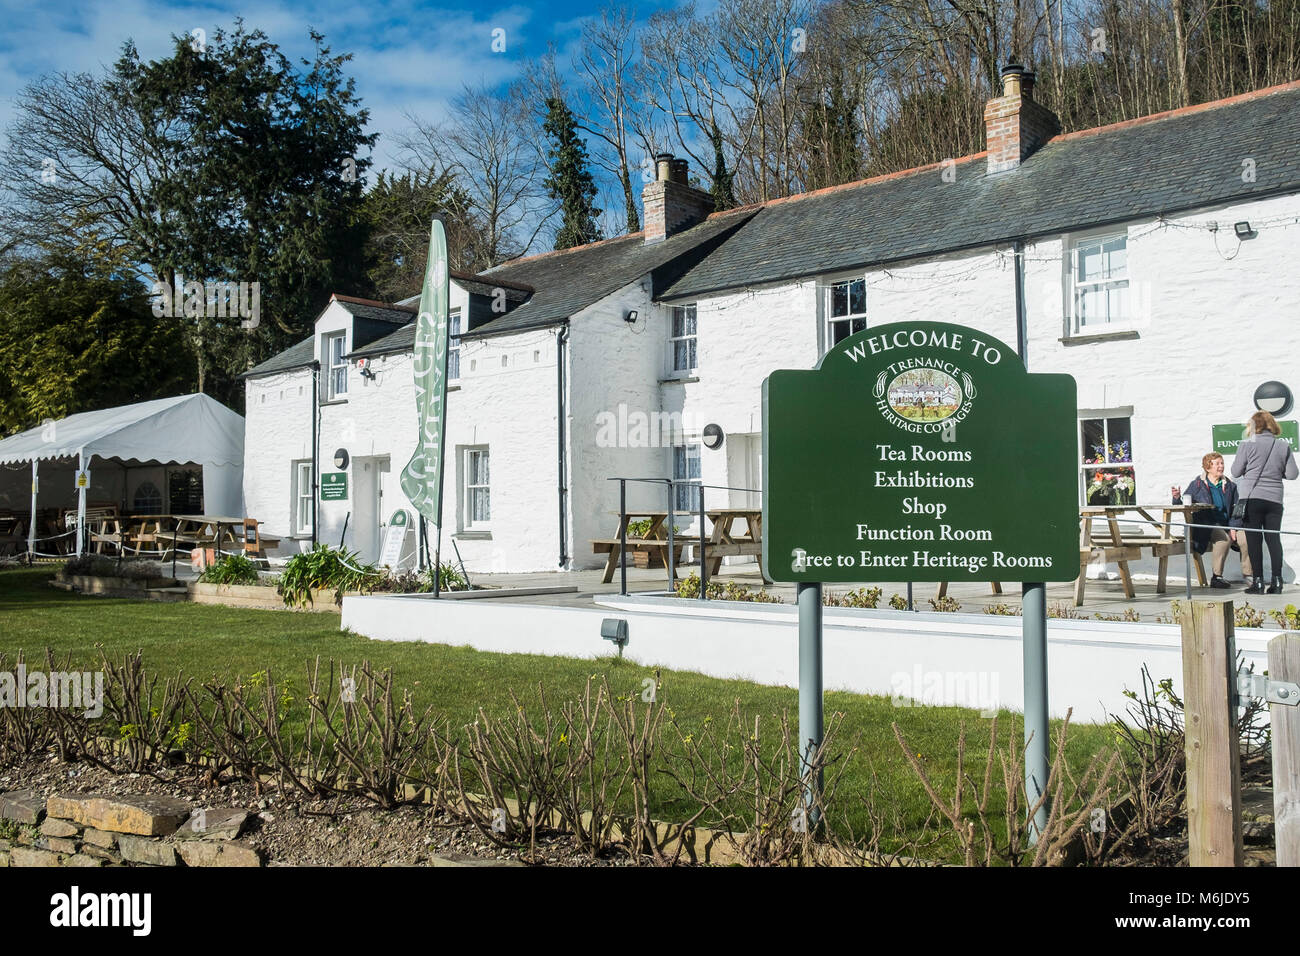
(1105, 597)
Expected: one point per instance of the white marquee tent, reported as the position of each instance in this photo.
(188, 429)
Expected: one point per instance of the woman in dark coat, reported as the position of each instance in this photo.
(1211, 488)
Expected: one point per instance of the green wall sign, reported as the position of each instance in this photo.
(334, 486)
(1226, 438)
(920, 451)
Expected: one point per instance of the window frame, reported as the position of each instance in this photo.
(468, 487)
(829, 320)
(689, 339)
(1073, 287)
(687, 487)
(453, 345)
(333, 367)
(1109, 464)
(302, 468)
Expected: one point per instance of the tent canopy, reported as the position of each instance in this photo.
(188, 428)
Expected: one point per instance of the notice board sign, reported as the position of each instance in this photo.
(920, 451)
(390, 554)
(334, 486)
(1226, 438)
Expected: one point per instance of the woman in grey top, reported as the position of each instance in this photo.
(1263, 460)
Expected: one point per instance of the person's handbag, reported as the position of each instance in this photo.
(1239, 509)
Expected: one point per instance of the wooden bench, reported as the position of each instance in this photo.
(656, 548)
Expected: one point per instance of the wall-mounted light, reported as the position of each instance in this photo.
(341, 459)
(713, 437)
(630, 316)
(1274, 398)
(1243, 230)
(366, 370)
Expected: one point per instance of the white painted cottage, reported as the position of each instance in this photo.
(1155, 260)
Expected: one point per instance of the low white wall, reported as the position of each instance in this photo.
(966, 659)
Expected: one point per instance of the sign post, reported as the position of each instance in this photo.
(921, 451)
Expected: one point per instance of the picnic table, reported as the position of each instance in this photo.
(722, 541)
(1124, 545)
(13, 531)
(654, 542)
(220, 532)
(1117, 544)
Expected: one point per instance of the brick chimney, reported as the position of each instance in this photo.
(670, 204)
(1015, 125)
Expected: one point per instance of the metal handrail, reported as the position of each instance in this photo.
(671, 486)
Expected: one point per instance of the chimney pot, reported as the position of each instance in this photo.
(1012, 75)
(663, 167)
(679, 171)
(1027, 81)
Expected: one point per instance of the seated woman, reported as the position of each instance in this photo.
(1211, 488)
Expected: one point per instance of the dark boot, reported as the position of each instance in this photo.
(1217, 582)
(1256, 585)
(1276, 586)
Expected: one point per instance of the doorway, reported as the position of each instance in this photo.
(370, 476)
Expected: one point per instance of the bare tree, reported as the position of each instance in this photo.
(487, 142)
(612, 95)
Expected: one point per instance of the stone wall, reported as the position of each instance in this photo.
(90, 830)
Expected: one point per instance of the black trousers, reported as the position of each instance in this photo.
(1266, 515)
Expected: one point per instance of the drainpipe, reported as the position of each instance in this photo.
(561, 337)
(315, 450)
(1022, 323)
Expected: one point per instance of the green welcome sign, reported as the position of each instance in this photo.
(920, 451)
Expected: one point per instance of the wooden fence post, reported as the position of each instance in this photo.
(1213, 756)
(1284, 665)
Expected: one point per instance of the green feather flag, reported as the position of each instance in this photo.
(422, 478)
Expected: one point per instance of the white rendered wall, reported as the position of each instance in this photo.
(971, 660)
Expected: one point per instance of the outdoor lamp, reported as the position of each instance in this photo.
(1243, 230)
(1274, 398)
(615, 629)
(341, 459)
(630, 316)
(713, 437)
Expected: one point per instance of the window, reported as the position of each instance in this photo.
(1101, 297)
(478, 501)
(185, 491)
(683, 339)
(846, 310)
(686, 468)
(303, 498)
(148, 499)
(336, 382)
(453, 346)
(1107, 451)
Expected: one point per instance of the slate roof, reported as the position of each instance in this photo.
(403, 340)
(294, 357)
(375, 311)
(1162, 164)
(376, 320)
(569, 281)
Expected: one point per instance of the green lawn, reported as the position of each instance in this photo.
(205, 641)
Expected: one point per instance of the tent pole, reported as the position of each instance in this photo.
(81, 504)
(31, 528)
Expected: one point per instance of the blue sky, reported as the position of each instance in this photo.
(409, 57)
